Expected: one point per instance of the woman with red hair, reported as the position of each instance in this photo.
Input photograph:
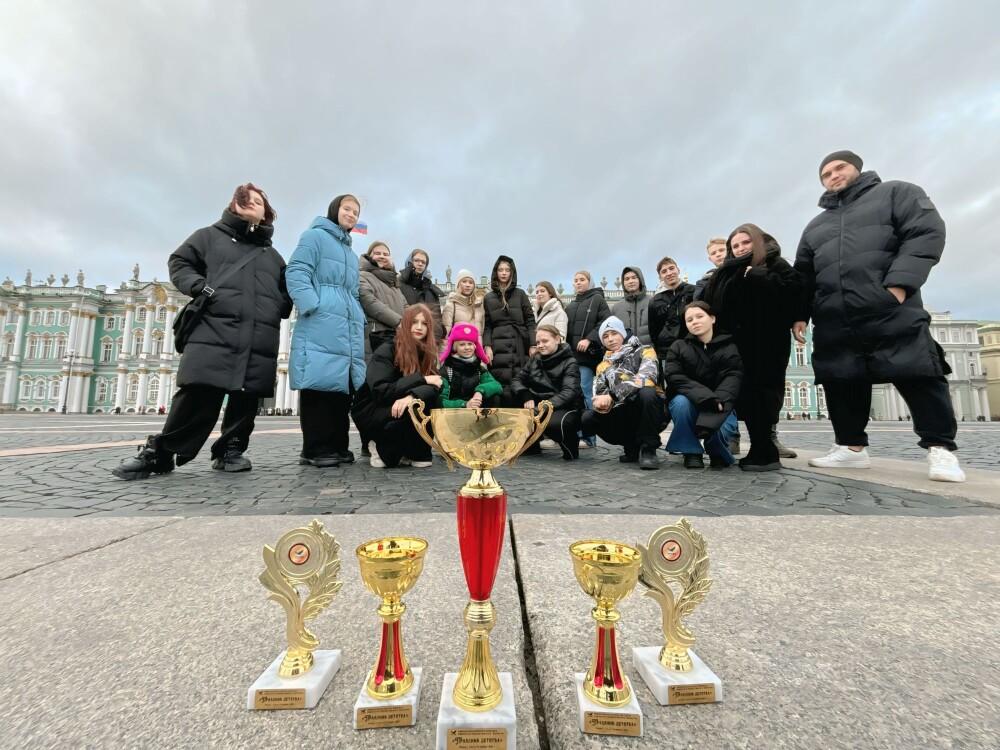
(400, 370)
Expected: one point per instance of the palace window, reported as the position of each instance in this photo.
(60, 346)
(46, 348)
(141, 315)
(103, 388)
(109, 323)
(133, 389)
(107, 350)
(820, 398)
(803, 396)
(32, 348)
(800, 355)
(36, 317)
(64, 318)
(50, 318)
(156, 345)
(153, 392)
(25, 390)
(788, 395)
(161, 314)
(137, 343)
(970, 336)
(6, 347)
(54, 388)
(40, 390)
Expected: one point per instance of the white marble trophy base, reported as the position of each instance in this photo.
(700, 685)
(400, 711)
(304, 691)
(462, 724)
(593, 718)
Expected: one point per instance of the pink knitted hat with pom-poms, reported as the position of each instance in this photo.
(464, 332)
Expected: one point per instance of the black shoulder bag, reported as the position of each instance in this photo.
(191, 314)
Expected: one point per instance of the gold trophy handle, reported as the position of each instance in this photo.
(542, 417)
(420, 419)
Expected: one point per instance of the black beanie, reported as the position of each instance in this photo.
(849, 156)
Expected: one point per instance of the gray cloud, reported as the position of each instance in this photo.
(572, 134)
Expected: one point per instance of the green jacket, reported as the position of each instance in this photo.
(465, 383)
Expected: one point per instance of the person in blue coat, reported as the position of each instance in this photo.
(328, 350)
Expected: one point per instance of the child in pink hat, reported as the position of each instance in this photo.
(466, 381)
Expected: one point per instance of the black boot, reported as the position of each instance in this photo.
(693, 461)
(783, 451)
(148, 460)
(647, 458)
(233, 460)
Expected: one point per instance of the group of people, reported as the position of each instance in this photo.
(370, 339)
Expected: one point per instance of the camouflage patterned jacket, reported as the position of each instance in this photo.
(621, 374)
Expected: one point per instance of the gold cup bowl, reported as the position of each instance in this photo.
(480, 439)
(389, 568)
(607, 571)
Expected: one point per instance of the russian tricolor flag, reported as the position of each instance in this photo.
(360, 228)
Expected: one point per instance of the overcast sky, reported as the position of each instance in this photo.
(566, 134)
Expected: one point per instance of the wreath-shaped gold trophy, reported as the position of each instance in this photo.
(309, 557)
(676, 555)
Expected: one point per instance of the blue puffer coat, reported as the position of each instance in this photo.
(328, 348)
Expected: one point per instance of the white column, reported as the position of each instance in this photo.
(147, 335)
(126, 349)
(279, 391)
(901, 408)
(85, 340)
(81, 389)
(168, 331)
(165, 386)
(294, 405)
(74, 329)
(956, 404)
(984, 400)
(283, 342)
(22, 320)
(140, 400)
(120, 388)
(10, 384)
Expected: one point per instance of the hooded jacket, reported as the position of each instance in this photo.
(633, 308)
(235, 345)
(555, 377)
(380, 297)
(510, 325)
(707, 375)
(383, 385)
(758, 308)
(586, 313)
(328, 348)
(419, 289)
(872, 235)
(621, 374)
(552, 313)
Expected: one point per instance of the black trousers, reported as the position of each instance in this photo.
(759, 406)
(193, 413)
(850, 402)
(325, 420)
(376, 339)
(634, 424)
(398, 438)
(564, 428)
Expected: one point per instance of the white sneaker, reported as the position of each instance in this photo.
(375, 461)
(546, 443)
(404, 461)
(842, 457)
(944, 465)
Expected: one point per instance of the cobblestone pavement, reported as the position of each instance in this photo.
(78, 483)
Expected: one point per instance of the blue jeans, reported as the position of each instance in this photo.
(683, 438)
(587, 385)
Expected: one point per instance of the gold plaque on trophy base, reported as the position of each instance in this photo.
(601, 722)
(477, 739)
(382, 717)
(279, 699)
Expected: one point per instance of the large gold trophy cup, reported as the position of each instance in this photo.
(481, 440)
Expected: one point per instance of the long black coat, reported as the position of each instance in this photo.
(871, 235)
(585, 314)
(707, 374)
(510, 326)
(384, 385)
(666, 317)
(235, 346)
(555, 378)
(758, 308)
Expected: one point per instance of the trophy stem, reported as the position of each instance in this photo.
(295, 662)
(391, 676)
(604, 683)
(482, 521)
(675, 658)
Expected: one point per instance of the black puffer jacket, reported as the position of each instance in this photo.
(872, 235)
(463, 377)
(555, 378)
(510, 325)
(586, 313)
(235, 346)
(384, 384)
(666, 317)
(707, 374)
(758, 308)
(420, 290)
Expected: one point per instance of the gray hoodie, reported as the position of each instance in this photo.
(632, 310)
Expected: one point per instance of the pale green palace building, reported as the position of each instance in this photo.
(91, 350)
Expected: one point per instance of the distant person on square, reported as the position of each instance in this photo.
(864, 260)
(466, 382)
(628, 407)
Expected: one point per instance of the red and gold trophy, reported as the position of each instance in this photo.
(477, 699)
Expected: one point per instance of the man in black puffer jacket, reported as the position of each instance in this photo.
(864, 260)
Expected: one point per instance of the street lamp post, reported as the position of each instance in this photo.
(69, 379)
